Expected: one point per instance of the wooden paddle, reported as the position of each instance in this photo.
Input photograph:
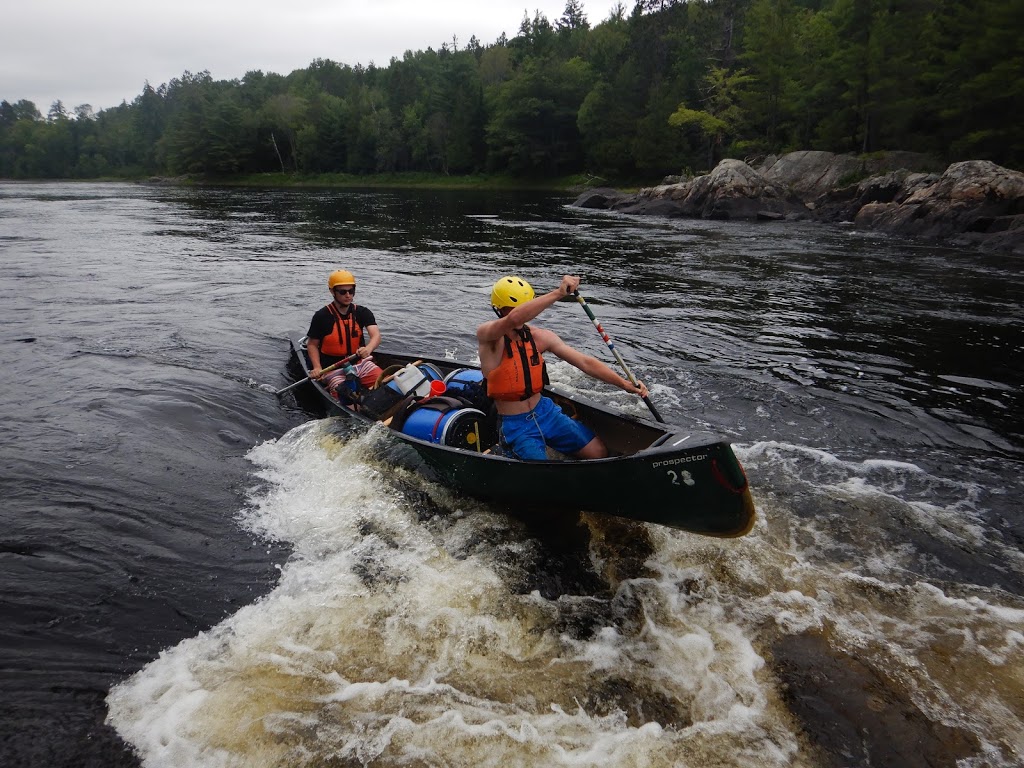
(611, 346)
(339, 364)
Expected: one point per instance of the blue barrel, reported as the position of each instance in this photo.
(464, 381)
(458, 428)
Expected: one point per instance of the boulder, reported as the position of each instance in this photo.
(809, 174)
(842, 204)
(601, 197)
(975, 196)
(733, 190)
(640, 206)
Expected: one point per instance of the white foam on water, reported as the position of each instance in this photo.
(955, 649)
(395, 636)
(899, 486)
(959, 659)
(390, 640)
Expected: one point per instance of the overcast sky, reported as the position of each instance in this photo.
(102, 52)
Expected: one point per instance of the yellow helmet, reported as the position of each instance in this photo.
(340, 277)
(511, 291)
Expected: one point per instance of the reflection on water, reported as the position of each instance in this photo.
(872, 388)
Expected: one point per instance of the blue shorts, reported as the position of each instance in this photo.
(526, 434)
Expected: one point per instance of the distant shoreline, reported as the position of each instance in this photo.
(566, 184)
(570, 185)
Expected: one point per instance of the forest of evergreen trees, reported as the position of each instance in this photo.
(663, 87)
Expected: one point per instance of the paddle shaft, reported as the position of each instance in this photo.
(611, 346)
(328, 369)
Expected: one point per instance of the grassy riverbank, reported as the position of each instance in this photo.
(402, 181)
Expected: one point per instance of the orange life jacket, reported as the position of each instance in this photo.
(521, 372)
(346, 336)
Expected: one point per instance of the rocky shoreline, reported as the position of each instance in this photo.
(974, 203)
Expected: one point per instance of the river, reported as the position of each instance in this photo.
(198, 573)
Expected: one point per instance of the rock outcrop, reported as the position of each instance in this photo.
(974, 203)
(811, 174)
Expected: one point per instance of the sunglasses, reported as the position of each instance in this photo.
(345, 290)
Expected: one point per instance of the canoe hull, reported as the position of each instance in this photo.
(678, 489)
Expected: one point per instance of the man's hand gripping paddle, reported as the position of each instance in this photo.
(328, 369)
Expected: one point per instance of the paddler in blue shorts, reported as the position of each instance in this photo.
(511, 358)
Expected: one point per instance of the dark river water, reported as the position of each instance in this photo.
(195, 572)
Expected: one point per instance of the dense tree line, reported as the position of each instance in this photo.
(664, 86)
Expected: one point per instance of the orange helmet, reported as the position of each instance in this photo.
(340, 277)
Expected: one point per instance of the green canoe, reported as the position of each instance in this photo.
(656, 473)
